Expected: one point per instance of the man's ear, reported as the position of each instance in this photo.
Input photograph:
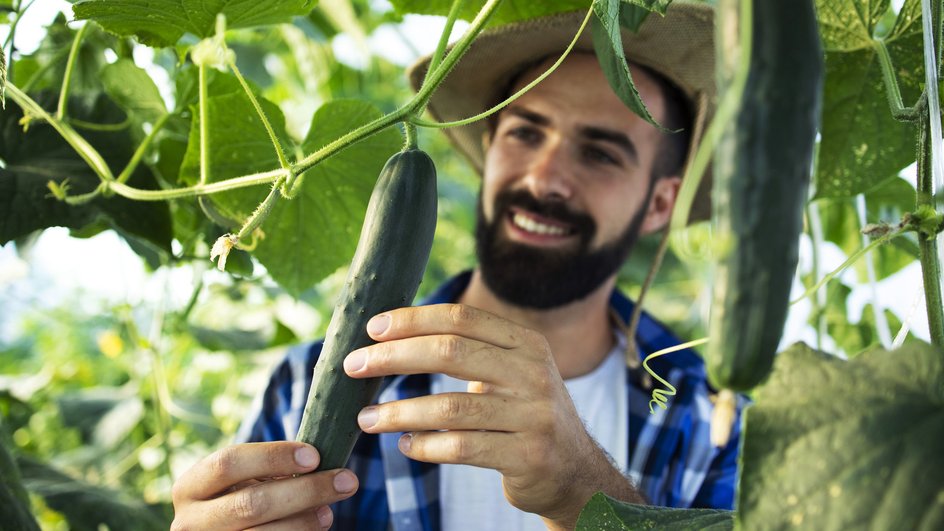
(664, 193)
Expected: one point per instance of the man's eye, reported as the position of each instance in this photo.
(525, 134)
(599, 156)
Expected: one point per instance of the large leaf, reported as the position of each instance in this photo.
(603, 512)
(40, 155)
(163, 22)
(608, 44)
(312, 235)
(836, 445)
(88, 507)
(862, 144)
(133, 89)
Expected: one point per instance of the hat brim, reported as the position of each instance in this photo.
(679, 45)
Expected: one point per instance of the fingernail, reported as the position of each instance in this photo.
(306, 457)
(367, 417)
(355, 361)
(344, 482)
(325, 517)
(378, 324)
(405, 442)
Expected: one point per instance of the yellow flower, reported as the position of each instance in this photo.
(110, 343)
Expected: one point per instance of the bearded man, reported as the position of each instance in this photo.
(507, 401)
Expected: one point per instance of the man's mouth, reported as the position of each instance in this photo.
(532, 226)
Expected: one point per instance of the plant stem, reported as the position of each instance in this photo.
(283, 161)
(727, 108)
(70, 67)
(409, 131)
(851, 260)
(79, 144)
(105, 128)
(142, 149)
(465, 121)
(261, 212)
(444, 37)
(204, 134)
(198, 190)
(892, 91)
(930, 264)
(414, 106)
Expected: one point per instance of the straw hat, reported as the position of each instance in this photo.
(679, 45)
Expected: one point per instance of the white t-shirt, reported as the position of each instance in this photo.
(472, 497)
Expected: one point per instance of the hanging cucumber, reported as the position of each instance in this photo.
(762, 166)
(386, 271)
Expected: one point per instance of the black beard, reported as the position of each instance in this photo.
(531, 277)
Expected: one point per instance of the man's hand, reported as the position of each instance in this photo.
(254, 486)
(517, 417)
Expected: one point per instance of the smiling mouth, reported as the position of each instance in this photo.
(534, 225)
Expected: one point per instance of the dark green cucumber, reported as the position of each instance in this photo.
(386, 271)
(762, 166)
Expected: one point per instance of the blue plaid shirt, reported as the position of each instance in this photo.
(670, 457)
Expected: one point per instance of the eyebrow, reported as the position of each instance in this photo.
(620, 140)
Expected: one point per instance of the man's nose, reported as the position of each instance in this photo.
(550, 175)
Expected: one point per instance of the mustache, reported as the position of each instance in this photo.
(581, 223)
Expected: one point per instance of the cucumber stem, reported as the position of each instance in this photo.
(70, 68)
(930, 262)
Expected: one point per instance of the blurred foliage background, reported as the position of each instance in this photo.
(105, 400)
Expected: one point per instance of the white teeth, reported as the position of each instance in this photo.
(528, 224)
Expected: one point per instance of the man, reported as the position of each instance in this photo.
(507, 403)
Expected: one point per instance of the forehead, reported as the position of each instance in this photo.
(579, 87)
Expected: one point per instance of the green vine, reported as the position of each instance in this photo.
(70, 67)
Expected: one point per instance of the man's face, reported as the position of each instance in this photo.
(567, 186)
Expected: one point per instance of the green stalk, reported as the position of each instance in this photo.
(892, 91)
(200, 189)
(444, 37)
(142, 149)
(79, 144)
(204, 133)
(851, 260)
(261, 212)
(930, 264)
(465, 121)
(725, 113)
(409, 131)
(414, 106)
(262, 116)
(70, 67)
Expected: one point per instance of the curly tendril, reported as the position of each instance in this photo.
(661, 396)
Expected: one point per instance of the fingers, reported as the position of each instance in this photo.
(484, 449)
(312, 519)
(244, 462)
(457, 356)
(457, 319)
(447, 411)
(273, 501)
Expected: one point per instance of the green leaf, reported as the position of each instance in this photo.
(509, 11)
(659, 6)
(133, 89)
(835, 445)
(309, 237)
(608, 44)
(162, 22)
(632, 16)
(603, 512)
(87, 507)
(862, 144)
(40, 155)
